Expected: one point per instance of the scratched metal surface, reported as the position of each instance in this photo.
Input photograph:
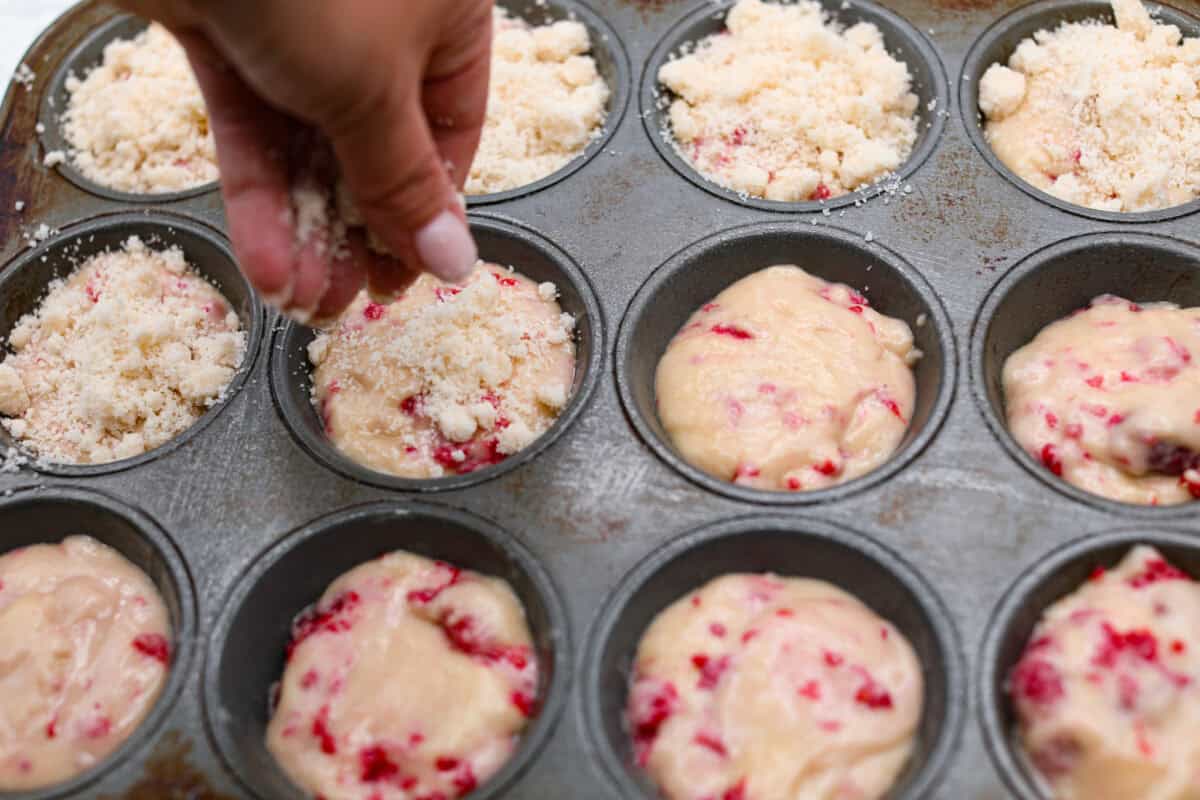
(598, 500)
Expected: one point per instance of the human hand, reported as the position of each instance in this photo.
(397, 90)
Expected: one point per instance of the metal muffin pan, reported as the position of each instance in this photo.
(261, 525)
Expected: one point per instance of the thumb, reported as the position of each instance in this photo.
(395, 173)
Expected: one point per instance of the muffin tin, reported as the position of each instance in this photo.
(247, 517)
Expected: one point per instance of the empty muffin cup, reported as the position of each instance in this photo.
(903, 41)
(47, 515)
(611, 62)
(789, 547)
(997, 44)
(246, 655)
(1055, 575)
(86, 56)
(24, 283)
(696, 274)
(1050, 284)
(500, 242)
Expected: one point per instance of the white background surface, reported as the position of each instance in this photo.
(20, 23)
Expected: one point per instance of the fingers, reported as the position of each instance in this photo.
(393, 169)
(254, 181)
(454, 97)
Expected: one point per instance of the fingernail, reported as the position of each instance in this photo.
(446, 247)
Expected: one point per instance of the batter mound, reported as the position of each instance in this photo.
(409, 680)
(84, 652)
(1106, 691)
(546, 102)
(121, 357)
(448, 379)
(1109, 400)
(787, 105)
(1101, 116)
(758, 687)
(137, 122)
(787, 382)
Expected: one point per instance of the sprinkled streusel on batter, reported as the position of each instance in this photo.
(137, 121)
(120, 357)
(449, 378)
(1101, 116)
(786, 105)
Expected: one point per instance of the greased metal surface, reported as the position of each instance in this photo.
(241, 498)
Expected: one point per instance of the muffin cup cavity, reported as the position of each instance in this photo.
(998, 43)
(1054, 576)
(501, 242)
(611, 62)
(87, 55)
(246, 654)
(1049, 285)
(790, 547)
(24, 283)
(903, 41)
(47, 515)
(696, 274)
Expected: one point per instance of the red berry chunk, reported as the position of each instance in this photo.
(1037, 681)
(1155, 570)
(375, 765)
(711, 743)
(153, 645)
(320, 729)
(1051, 460)
(374, 311)
(331, 619)
(822, 192)
(732, 331)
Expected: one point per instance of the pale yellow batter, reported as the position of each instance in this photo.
(1101, 116)
(787, 382)
(1107, 691)
(84, 652)
(757, 687)
(448, 379)
(409, 679)
(1109, 399)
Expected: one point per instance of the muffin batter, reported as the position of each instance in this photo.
(448, 379)
(84, 652)
(1109, 400)
(787, 105)
(137, 122)
(546, 102)
(122, 356)
(409, 679)
(1101, 116)
(758, 687)
(787, 382)
(1106, 691)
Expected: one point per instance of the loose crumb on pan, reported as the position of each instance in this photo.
(137, 121)
(1102, 116)
(121, 356)
(786, 105)
(24, 76)
(448, 379)
(546, 103)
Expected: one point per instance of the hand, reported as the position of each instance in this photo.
(398, 89)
